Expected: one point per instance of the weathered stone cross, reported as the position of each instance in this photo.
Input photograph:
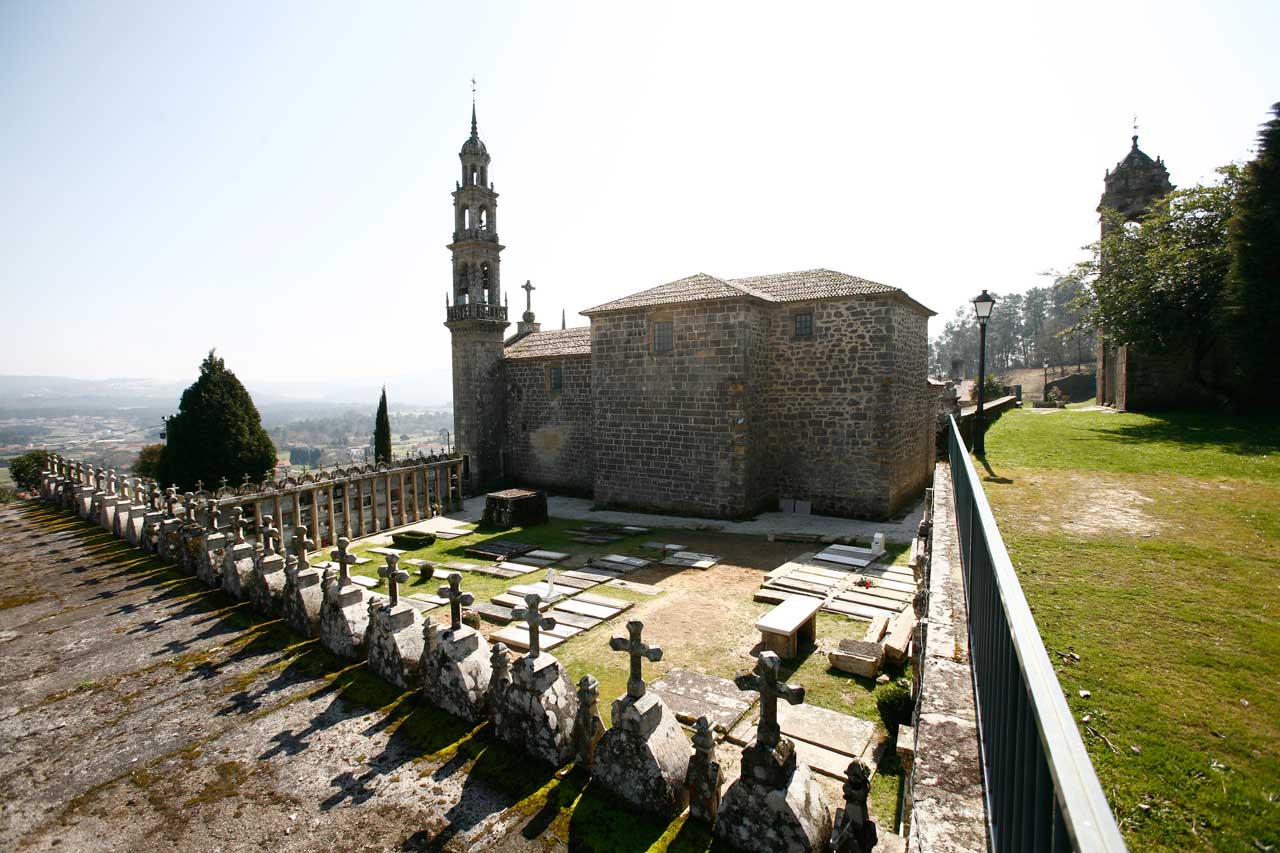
(199, 485)
(171, 500)
(215, 515)
(638, 652)
(528, 289)
(269, 533)
(343, 559)
(457, 599)
(301, 545)
(531, 613)
(189, 506)
(765, 682)
(394, 577)
(238, 522)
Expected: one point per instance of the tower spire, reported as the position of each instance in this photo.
(475, 134)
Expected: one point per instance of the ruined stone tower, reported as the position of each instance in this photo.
(477, 319)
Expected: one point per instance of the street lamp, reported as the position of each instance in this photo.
(982, 305)
(1044, 385)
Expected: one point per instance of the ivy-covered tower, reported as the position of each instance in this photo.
(477, 319)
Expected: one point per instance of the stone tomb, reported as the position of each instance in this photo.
(644, 757)
(776, 803)
(238, 560)
(266, 583)
(344, 617)
(300, 605)
(456, 660)
(393, 641)
(536, 709)
(694, 695)
(209, 565)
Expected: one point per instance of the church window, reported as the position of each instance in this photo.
(484, 218)
(803, 325)
(555, 377)
(662, 337)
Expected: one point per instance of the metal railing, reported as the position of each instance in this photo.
(1040, 787)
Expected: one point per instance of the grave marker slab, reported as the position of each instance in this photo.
(691, 695)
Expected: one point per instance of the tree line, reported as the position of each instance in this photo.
(1043, 324)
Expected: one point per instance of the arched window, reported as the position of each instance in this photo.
(475, 174)
(484, 219)
(486, 284)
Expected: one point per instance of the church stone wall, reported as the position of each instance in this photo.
(675, 429)
(479, 400)
(550, 432)
(848, 406)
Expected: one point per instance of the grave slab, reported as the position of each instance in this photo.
(692, 694)
(605, 601)
(492, 612)
(583, 608)
(517, 637)
(361, 580)
(553, 556)
(577, 620)
(635, 586)
(387, 552)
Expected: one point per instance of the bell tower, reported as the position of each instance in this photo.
(476, 319)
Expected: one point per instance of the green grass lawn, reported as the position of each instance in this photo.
(1149, 547)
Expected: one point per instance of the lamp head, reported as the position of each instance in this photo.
(982, 305)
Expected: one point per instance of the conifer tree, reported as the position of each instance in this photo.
(216, 433)
(1253, 282)
(382, 431)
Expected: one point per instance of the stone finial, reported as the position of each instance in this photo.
(457, 599)
(428, 636)
(764, 680)
(855, 832)
(395, 576)
(588, 728)
(301, 544)
(531, 615)
(343, 559)
(499, 671)
(270, 533)
(638, 651)
(704, 777)
(238, 523)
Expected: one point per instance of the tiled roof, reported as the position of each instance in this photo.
(555, 343)
(811, 284)
(780, 287)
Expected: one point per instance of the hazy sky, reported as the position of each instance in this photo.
(273, 178)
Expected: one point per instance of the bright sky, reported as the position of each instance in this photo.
(273, 179)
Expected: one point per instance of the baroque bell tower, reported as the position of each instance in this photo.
(477, 319)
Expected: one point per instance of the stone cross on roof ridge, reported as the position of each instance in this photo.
(457, 599)
(532, 616)
(395, 576)
(301, 544)
(340, 556)
(638, 651)
(269, 533)
(764, 680)
(199, 485)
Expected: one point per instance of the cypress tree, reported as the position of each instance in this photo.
(1253, 282)
(382, 431)
(216, 433)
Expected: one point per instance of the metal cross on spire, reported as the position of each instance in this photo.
(395, 576)
(638, 651)
(1135, 130)
(531, 614)
(765, 682)
(457, 599)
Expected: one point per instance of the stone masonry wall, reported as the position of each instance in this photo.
(908, 448)
(830, 399)
(479, 399)
(674, 428)
(550, 432)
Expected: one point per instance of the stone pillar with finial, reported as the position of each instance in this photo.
(344, 616)
(266, 585)
(537, 709)
(238, 558)
(644, 756)
(394, 642)
(776, 804)
(457, 666)
(300, 606)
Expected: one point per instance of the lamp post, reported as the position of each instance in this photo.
(1044, 386)
(982, 305)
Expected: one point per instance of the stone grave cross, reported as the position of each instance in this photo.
(765, 682)
(171, 500)
(343, 559)
(189, 506)
(269, 534)
(457, 599)
(301, 545)
(638, 651)
(238, 522)
(215, 515)
(531, 614)
(394, 577)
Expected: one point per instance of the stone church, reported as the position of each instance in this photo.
(705, 396)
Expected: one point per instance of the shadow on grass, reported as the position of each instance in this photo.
(992, 476)
(1246, 435)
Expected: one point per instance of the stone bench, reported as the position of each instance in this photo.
(791, 623)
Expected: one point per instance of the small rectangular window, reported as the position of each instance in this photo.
(662, 337)
(804, 325)
(556, 378)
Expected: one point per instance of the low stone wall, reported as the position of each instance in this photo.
(991, 410)
(1077, 387)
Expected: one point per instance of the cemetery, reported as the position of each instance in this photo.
(661, 625)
